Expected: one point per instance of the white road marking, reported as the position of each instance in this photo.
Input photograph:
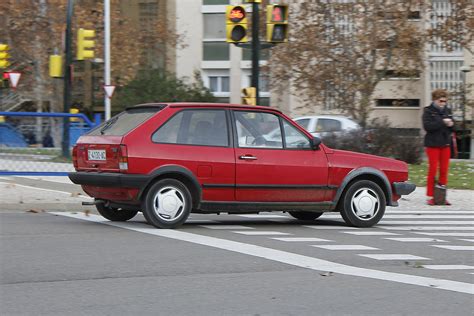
(416, 216)
(284, 256)
(226, 227)
(470, 240)
(428, 228)
(260, 233)
(345, 247)
(57, 179)
(47, 190)
(427, 212)
(469, 248)
(370, 233)
(447, 234)
(329, 227)
(407, 239)
(395, 257)
(296, 239)
(448, 267)
(425, 223)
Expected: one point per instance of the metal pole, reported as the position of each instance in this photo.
(255, 49)
(67, 79)
(107, 56)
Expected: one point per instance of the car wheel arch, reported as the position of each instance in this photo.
(365, 173)
(178, 173)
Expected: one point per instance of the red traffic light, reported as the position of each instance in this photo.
(6, 75)
(237, 14)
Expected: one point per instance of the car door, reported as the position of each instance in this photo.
(284, 169)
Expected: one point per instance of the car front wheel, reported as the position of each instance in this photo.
(167, 204)
(363, 204)
(305, 216)
(115, 214)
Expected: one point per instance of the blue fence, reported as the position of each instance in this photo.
(30, 142)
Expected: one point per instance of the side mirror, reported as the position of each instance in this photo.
(315, 142)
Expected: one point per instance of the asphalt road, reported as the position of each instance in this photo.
(59, 258)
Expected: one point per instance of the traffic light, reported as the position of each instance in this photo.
(277, 23)
(4, 55)
(250, 96)
(236, 24)
(85, 45)
(55, 66)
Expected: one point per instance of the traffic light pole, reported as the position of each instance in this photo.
(255, 49)
(67, 78)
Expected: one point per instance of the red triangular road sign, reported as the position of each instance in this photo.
(14, 78)
(109, 90)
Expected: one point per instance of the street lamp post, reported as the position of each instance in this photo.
(464, 71)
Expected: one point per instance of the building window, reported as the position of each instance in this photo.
(398, 102)
(219, 84)
(263, 83)
(247, 54)
(212, 2)
(393, 74)
(216, 51)
(214, 26)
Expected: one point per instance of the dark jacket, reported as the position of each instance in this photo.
(437, 133)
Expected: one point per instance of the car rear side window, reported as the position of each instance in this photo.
(124, 122)
(195, 127)
(328, 125)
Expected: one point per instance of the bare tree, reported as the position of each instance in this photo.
(340, 50)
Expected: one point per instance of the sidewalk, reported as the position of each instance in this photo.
(460, 200)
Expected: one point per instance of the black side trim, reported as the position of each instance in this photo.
(361, 171)
(271, 186)
(106, 179)
(403, 188)
(243, 207)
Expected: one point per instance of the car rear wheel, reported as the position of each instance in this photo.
(167, 204)
(306, 216)
(115, 214)
(363, 204)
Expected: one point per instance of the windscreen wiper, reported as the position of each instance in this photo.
(108, 124)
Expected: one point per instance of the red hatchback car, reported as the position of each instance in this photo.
(168, 160)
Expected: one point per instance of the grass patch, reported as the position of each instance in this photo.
(460, 174)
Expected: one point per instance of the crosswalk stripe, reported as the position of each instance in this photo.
(260, 233)
(345, 247)
(383, 222)
(449, 247)
(408, 239)
(427, 228)
(371, 233)
(393, 257)
(226, 227)
(300, 239)
(448, 267)
(447, 234)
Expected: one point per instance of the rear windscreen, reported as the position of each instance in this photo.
(124, 122)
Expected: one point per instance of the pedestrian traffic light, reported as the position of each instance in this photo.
(277, 23)
(85, 45)
(236, 24)
(4, 55)
(250, 96)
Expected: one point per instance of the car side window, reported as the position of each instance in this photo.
(195, 127)
(294, 138)
(257, 129)
(304, 123)
(328, 125)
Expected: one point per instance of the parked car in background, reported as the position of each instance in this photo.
(323, 125)
(170, 159)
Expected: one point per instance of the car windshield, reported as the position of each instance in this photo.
(124, 122)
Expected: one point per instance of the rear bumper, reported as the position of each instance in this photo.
(109, 180)
(403, 188)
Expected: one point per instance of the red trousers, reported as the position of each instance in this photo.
(437, 156)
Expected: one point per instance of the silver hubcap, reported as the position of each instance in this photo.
(365, 204)
(169, 204)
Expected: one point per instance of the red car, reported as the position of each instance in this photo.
(168, 160)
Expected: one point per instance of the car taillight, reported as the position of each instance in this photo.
(74, 156)
(123, 158)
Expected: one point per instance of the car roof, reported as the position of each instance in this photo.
(204, 105)
(340, 117)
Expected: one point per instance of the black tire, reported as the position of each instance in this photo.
(363, 204)
(175, 206)
(305, 216)
(115, 214)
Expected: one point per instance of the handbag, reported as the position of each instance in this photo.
(454, 146)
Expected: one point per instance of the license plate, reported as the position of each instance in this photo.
(96, 154)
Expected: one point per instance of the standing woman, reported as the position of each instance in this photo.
(438, 124)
